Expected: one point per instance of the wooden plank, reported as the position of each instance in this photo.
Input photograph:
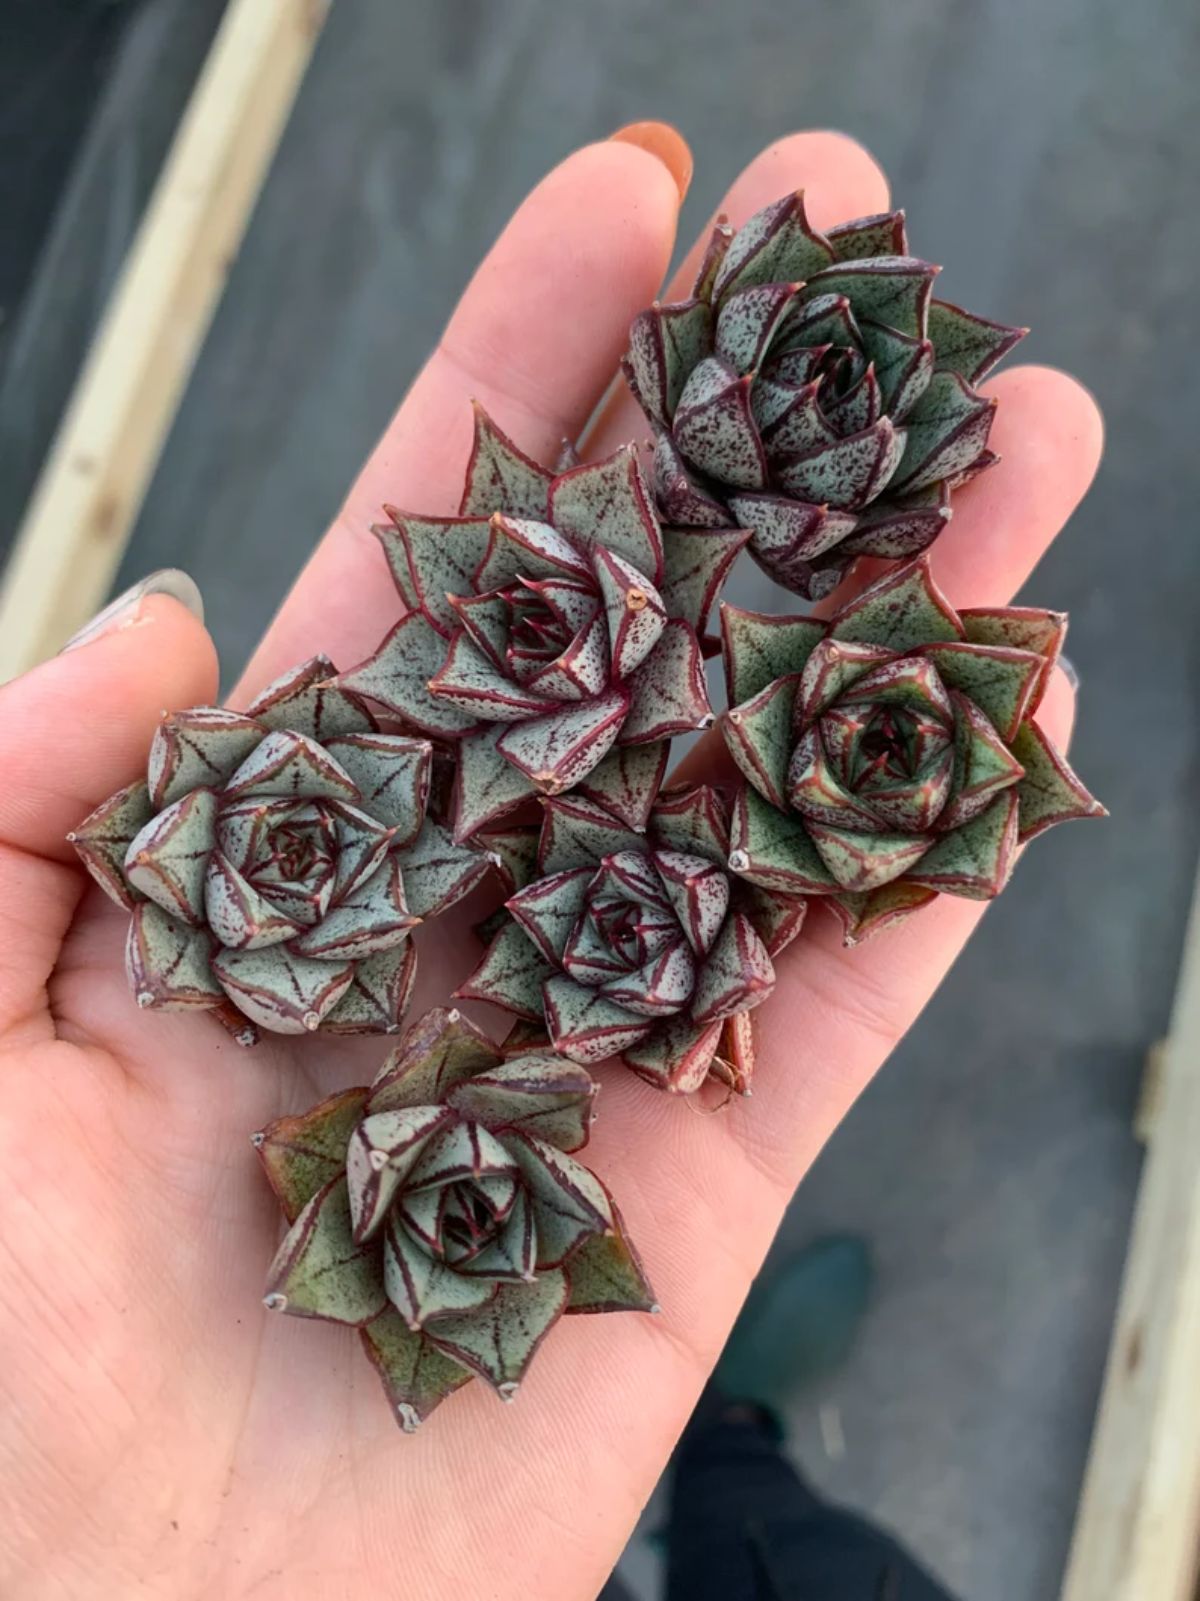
(1137, 1536)
(91, 488)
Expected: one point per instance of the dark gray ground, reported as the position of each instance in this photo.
(1046, 150)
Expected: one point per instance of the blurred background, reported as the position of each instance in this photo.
(1045, 151)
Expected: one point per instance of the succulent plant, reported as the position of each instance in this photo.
(811, 390)
(637, 944)
(442, 1214)
(891, 753)
(551, 632)
(276, 860)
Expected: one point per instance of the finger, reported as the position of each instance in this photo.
(840, 180)
(1049, 435)
(536, 338)
(72, 732)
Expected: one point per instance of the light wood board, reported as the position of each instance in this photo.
(92, 485)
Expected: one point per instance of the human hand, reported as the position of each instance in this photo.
(160, 1434)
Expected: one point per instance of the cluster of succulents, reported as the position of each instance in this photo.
(811, 403)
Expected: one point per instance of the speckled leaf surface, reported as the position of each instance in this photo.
(759, 648)
(440, 1050)
(667, 693)
(607, 505)
(104, 837)
(305, 699)
(511, 974)
(606, 1275)
(303, 1154)
(501, 477)
(538, 1094)
(397, 676)
(320, 1271)
(499, 1342)
(416, 1375)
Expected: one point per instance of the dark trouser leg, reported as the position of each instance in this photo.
(744, 1527)
(614, 1590)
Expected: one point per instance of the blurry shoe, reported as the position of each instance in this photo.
(798, 1324)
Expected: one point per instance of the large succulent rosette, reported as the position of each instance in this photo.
(892, 754)
(813, 392)
(442, 1213)
(641, 945)
(551, 632)
(276, 860)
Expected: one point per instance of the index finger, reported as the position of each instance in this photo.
(535, 338)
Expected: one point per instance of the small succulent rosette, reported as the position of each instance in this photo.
(442, 1214)
(640, 945)
(275, 862)
(551, 632)
(813, 392)
(892, 754)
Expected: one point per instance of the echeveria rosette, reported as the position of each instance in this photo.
(276, 860)
(638, 945)
(812, 391)
(442, 1213)
(892, 754)
(552, 632)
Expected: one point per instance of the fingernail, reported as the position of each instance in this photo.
(1070, 671)
(667, 143)
(122, 611)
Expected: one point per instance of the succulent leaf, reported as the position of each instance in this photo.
(320, 1270)
(397, 677)
(169, 962)
(198, 749)
(301, 1155)
(627, 780)
(606, 506)
(436, 872)
(538, 1094)
(304, 699)
(377, 996)
(511, 974)
(605, 1274)
(439, 1051)
(1049, 792)
(103, 839)
(758, 648)
(487, 786)
(416, 1375)
(499, 1342)
(501, 477)
(667, 693)
(968, 344)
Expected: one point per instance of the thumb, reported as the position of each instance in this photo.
(72, 731)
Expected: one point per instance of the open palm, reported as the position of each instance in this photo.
(160, 1434)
